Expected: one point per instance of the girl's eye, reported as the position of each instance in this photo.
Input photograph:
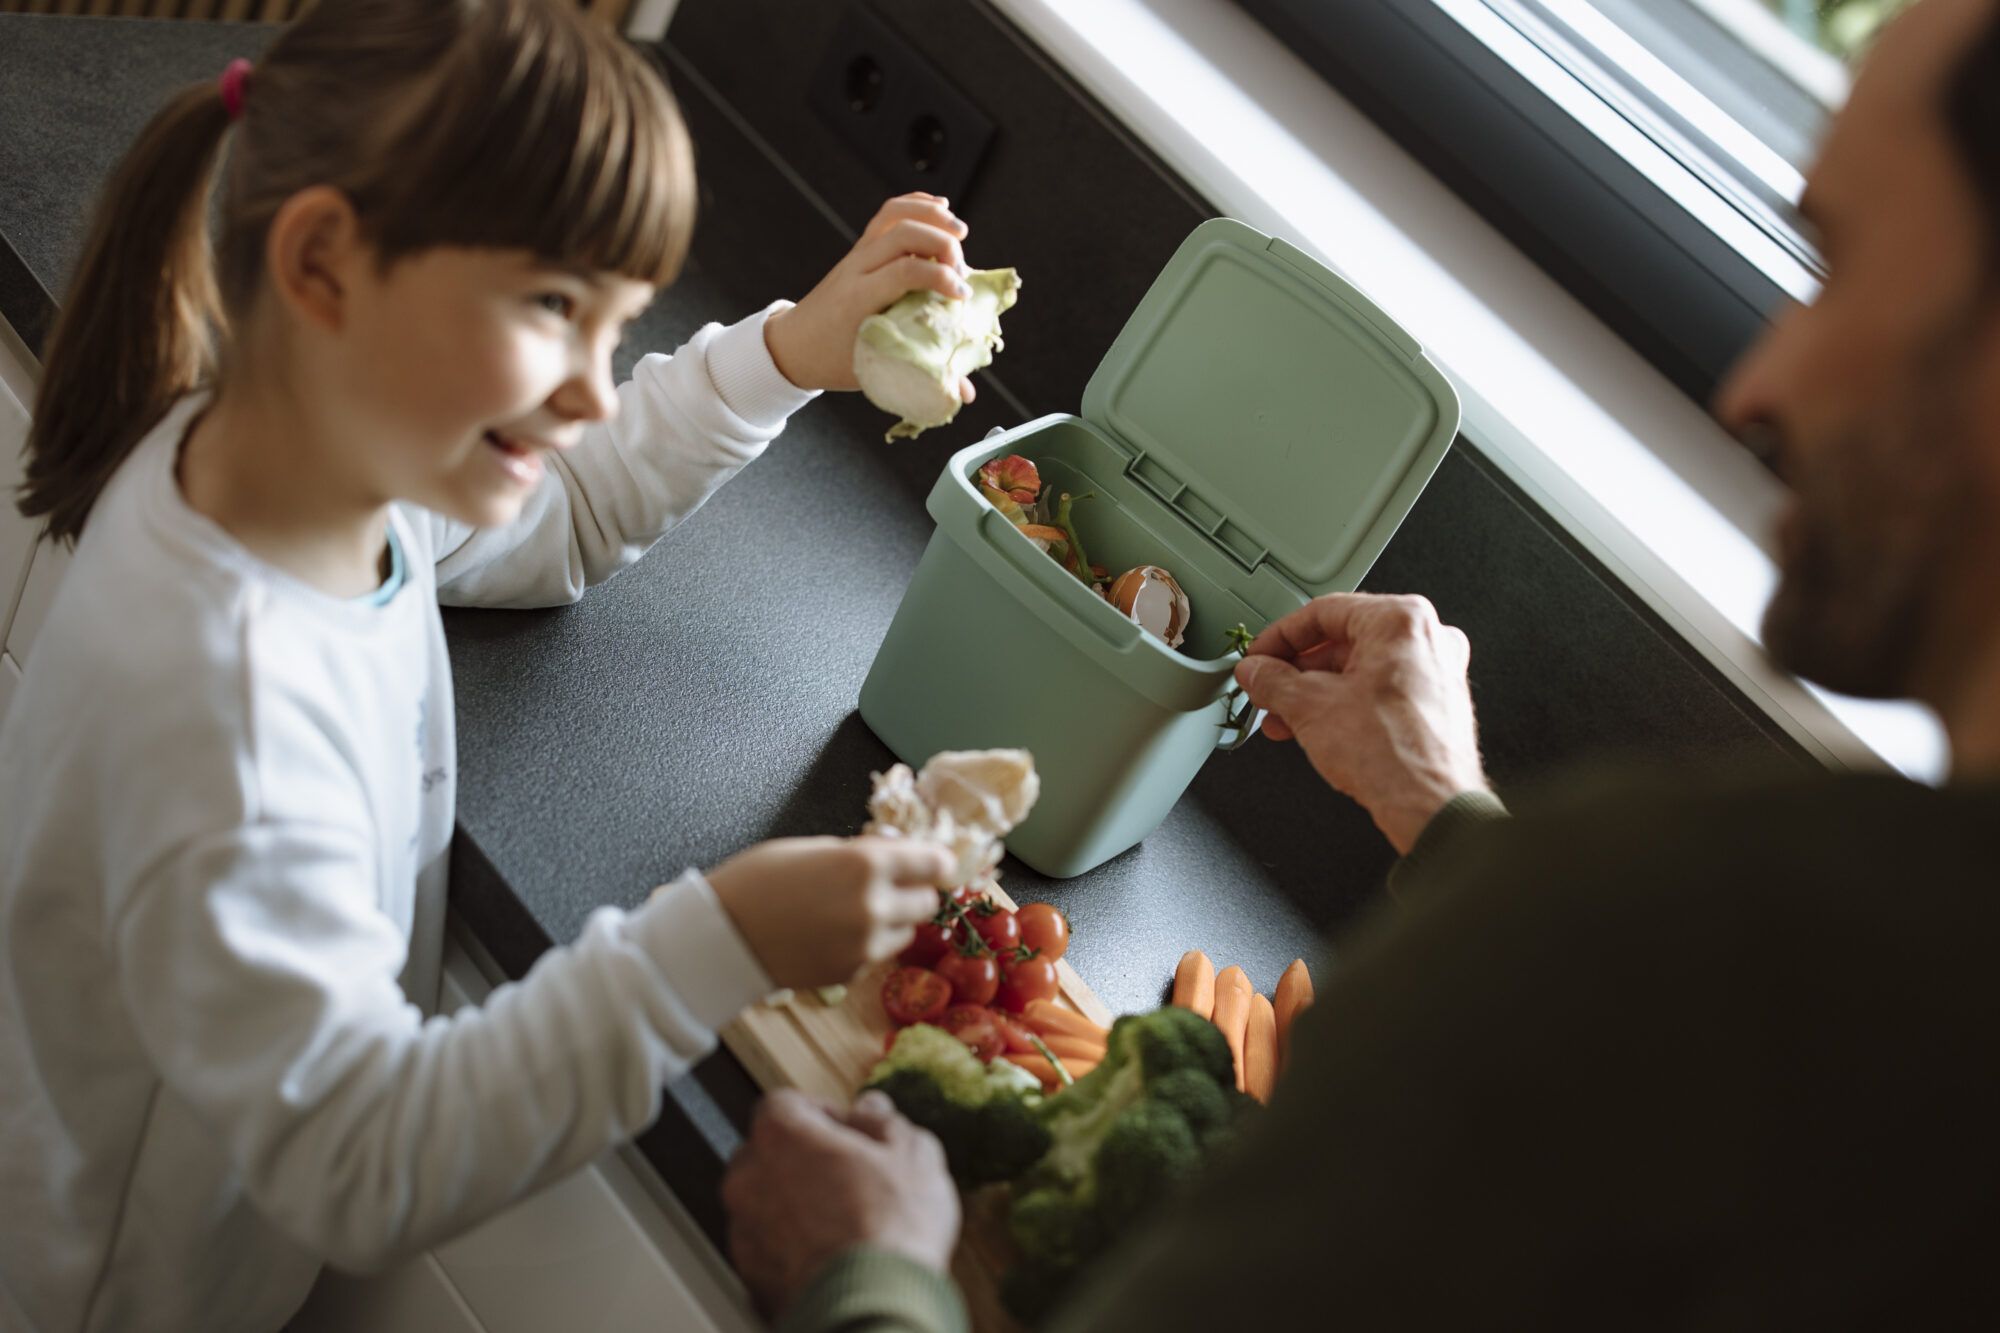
(556, 304)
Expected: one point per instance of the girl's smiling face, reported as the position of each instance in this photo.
(464, 369)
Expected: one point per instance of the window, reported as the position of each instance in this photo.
(1648, 153)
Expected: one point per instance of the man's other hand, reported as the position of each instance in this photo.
(813, 1182)
(1374, 689)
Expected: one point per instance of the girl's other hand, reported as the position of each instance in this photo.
(817, 910)
(912, 244)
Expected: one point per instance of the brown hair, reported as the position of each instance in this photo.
(509, 124)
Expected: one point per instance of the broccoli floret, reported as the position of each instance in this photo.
(1122, 1139)
(1207, 1106)
(1148, 1150)
(984, 1119)
(1172, 1039)
(1054, 1226)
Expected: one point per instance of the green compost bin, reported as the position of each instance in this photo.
(1259, 429)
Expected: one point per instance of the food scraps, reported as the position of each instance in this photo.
(909, 358)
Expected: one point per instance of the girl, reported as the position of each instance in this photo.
(226, 782)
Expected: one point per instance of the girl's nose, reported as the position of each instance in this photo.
(589, 395)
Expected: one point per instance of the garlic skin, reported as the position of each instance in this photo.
(964, 801)
(990, 789)
(1152, 599)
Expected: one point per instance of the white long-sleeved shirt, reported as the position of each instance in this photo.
(225, 804)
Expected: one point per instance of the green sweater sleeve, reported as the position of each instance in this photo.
(1651, 1062)
(1463, 812)
(874, 1291)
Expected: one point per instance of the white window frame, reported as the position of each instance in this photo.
(1639, 475)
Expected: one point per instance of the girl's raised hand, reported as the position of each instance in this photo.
(817, 910)
(912, 244)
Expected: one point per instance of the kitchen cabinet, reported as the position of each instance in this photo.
(607, 1249)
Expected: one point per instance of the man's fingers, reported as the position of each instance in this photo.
(1272, 683)
(1458, 648)
(1324, 620)
(1324, 657)
(874, 1115)
(789, 1115)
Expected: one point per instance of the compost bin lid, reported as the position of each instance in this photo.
(1274, 407)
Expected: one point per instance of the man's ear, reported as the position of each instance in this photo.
(313, 254)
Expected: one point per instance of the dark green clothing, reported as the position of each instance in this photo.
(1728, 1060)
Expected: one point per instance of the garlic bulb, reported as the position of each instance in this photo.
(1151, 598)
(964, 801)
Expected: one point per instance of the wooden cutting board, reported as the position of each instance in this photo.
(827, 1050)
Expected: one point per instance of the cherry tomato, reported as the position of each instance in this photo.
(977, 1027)
(1000, 928)
(1044, 929)
(974, 978)
(915, 995)
(932, 942)
(1032, 978)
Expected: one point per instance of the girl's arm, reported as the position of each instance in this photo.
(686, 423)
(261, 978)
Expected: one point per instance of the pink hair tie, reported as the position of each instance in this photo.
(234, 79)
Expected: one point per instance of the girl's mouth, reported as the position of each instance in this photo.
(518, 461)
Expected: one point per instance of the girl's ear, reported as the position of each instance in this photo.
(313, 252)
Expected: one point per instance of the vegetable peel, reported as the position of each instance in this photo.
(909, 358)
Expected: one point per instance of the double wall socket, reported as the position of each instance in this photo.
(894, 108)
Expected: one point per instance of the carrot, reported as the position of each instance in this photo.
(1260, 1050)
(1294, 996)
(1042, 1069)
(1077, 1047)
(1046, 1016)
(1232, 1012)
(1194, 983)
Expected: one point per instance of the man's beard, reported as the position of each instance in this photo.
(1867, 573)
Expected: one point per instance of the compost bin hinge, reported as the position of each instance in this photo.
(1197, 512)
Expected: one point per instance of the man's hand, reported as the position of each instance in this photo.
(811, 1183)
(1374, 690)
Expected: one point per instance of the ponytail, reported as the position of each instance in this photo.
(137, 328)
(496, 124)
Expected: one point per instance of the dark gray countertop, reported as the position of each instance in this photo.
(705, 699)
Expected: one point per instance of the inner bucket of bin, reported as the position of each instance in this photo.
(1123, 525)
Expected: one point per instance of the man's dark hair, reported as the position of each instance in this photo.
(1972, 113)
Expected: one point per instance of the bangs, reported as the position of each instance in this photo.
(545, 133)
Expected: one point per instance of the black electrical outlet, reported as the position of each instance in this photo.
(894, 108)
